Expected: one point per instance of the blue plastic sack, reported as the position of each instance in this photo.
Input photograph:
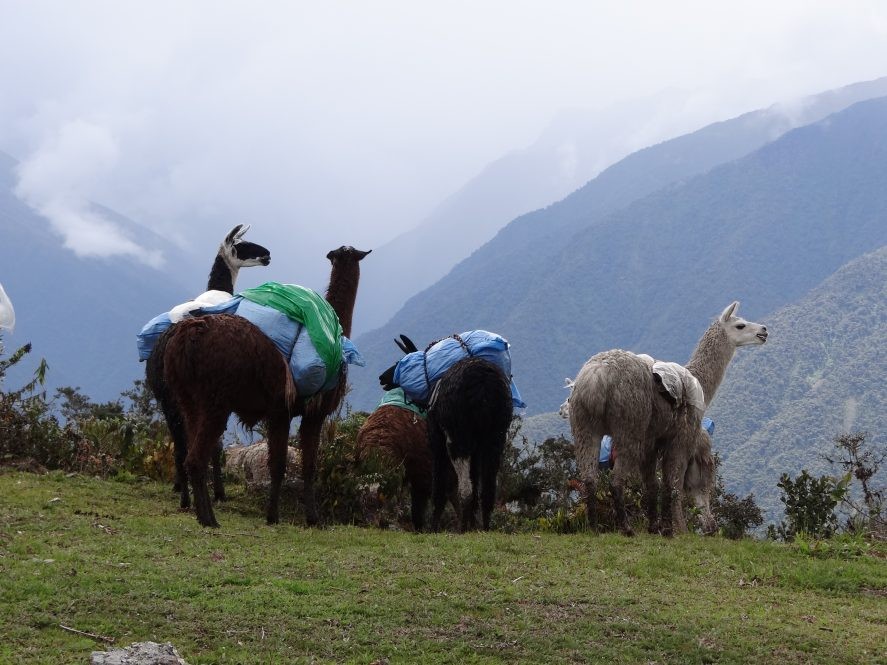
(418, 372)
(150, 333)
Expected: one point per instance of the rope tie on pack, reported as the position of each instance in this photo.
(454, 336)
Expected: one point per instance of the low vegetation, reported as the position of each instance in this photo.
(94, 552)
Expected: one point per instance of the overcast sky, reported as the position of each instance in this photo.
(330, 123)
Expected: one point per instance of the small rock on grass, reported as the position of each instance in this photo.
(139, 653)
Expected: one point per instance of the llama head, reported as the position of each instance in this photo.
(239, 253)
(699, 480)
(739, 331)
(346, 254)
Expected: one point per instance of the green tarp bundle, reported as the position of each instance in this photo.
(311, 310)
(397, 398)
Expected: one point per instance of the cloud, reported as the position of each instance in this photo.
(59, 178)
(347, 123)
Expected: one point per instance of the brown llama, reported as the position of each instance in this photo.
(221, 364)
(234, 253)
(341, 294)
(400, 437)
(616, 393)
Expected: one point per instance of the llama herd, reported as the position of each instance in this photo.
(450, 442)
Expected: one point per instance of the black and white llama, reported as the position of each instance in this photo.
(469, 413)
(234, 253)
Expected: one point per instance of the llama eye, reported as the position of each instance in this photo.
(740, 326)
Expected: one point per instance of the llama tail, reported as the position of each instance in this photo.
(591, 392)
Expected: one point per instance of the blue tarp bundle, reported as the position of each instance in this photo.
(418, 372)
(290, 337)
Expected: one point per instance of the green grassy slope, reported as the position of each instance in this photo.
(117, 560)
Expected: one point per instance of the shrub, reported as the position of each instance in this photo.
(866, 505)
(735, 517)
(809, 505)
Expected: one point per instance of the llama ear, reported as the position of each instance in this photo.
(727, 313)
(242, 232)
(235, 234)
(361, 255)
(408, 345)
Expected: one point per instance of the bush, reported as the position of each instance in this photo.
(735, 517)
(865, 507)
(809, 506)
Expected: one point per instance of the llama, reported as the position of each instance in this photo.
(468, 419)
(341, 294)
(234, 253)
(222, 364)
(399, 436)
(616, 393)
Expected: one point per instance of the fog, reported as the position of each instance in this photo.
(335, 123)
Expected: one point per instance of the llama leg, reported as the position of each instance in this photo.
(651, 493)
(617, 489)
(179, 435)
(309, 438)
(218, 483)
(180, 485)
(204, 430)
(278, 436)
(441, 469)
(674, 465)
(419, 496)
(467, 473)
(489, 472)
(588, 448)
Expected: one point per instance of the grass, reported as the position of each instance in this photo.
(116, 559)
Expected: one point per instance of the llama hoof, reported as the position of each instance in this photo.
(210, 523)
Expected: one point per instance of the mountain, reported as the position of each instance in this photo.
(576, 147)
(820, 375)
(80, 314)
(525, 280)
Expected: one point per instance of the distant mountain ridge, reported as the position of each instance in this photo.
(526, 278)
(575, 148)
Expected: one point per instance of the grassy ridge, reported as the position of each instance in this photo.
(116, 559)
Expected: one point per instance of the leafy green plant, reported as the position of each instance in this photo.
(810, 505)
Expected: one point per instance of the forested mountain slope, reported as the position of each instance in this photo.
(820, 375)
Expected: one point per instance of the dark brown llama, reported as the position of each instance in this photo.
(218, 365)
(234, 253)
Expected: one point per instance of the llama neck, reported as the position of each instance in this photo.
(222, 276)
(710, 359)
(342, 292)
